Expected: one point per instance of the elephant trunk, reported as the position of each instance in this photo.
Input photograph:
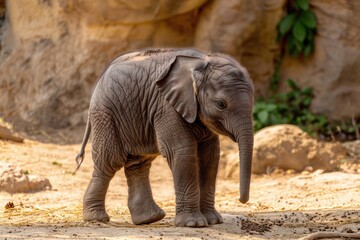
(245, 139)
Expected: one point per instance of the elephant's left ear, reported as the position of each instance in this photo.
(178, 84)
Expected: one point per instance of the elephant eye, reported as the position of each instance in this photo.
(221, 104)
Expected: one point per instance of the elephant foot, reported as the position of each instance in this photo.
(146, 213)
(192, 219)
(212, 217)
(99, 215)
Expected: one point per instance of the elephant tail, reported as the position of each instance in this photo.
(80, 157)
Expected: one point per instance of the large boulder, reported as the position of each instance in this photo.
(289, 147)
(284, 147)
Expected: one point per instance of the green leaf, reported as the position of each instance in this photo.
(276, 119)
(257, 126)
(322, 120)
(294, 46)
(263, 116)
(283, 107)
(307, 91)
(309, 19)
(290, 95)
(299, 46)
(271, 107)
(290, 44)
(259, 106)
(282, 97)
(292, 84)
(299, 31)
(286, 23)
(303, 4)
(307, 102)
(310, 36)
(307, 50)
(351, 129)
(309, 116)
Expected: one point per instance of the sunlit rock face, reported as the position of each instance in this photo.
(245, 30)
(53, 51)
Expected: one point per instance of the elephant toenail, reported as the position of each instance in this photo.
(105, 219)
(212, 221)
(190, 223)
(201, 223)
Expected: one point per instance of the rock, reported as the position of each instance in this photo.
(289, 147)
(132, 12)
(232, 165)
(79, 118)
(53, 51)
(245, 30)
(282, 148)
(229, 159)
(334, 68)
(353, 148)
(7, 134)
(15, 180)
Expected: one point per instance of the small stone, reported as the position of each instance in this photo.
(9, 205)
(15, 180)
(318, 172)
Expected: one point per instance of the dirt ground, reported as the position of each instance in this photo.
(283, 204)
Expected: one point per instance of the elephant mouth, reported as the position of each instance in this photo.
(230, 136)
(220, 129)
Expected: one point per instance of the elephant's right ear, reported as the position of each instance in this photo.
(177, 83)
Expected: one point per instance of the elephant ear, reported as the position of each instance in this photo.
(178, 84)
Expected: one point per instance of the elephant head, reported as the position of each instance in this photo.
(217, 90)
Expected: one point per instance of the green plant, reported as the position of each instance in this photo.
(291, 108)
(344, 130)
(296, 31)
(297, 28)
(276, 77)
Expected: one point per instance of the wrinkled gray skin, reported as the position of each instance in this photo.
(174, 102)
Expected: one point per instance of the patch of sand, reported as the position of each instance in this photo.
(281, 206)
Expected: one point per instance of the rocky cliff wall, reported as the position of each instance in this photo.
(334, 68)
(52, 51)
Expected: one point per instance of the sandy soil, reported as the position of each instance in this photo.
(283, 205)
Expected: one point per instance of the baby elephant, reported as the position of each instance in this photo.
(172, 102)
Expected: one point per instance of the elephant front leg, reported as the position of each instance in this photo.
(209, 154)
(186, 179)
(141, 204)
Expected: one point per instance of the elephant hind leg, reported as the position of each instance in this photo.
(141, 204)
(94, 199)
(108, 159)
